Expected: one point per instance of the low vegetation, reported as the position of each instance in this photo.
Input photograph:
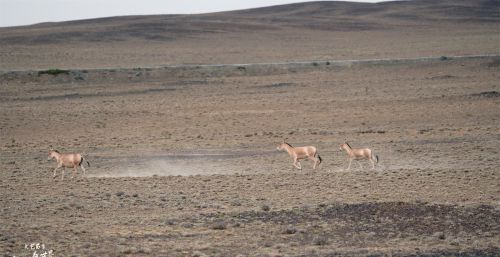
(53, 72)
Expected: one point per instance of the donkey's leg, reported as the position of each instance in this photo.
(296, 163)
(84, 171)
(315, 160)
(62, 173)
(74, 172)
(55, 171)
(359, 163)
(349, 166)
(373, 164)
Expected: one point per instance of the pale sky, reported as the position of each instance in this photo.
(26, 12)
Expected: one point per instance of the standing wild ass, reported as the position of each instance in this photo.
(359, 154)
(67, 160)
(299, 153)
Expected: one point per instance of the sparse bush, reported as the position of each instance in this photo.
(187, 224)
(315, 64)
(100, 124)
(444, 58)
(268, 244)
(290, 231)
(127, 251)
(170, 222)
(320, 240)
(79, 77)
(439, 235)
(241, 68)
(219, 225)
(265, 207)
(53, 72)
(236, 203)
(198, 254)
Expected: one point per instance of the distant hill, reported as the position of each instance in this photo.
(321, 15)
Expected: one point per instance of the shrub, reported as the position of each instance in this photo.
(290, 231)
(320, 240)
(219, 225)
(53, 72)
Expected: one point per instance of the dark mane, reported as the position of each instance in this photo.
(55, 151)
(348, 144)
(287, 144)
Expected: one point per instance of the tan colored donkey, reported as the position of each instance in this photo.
(69, 160)
(359, 154)
(299, 153)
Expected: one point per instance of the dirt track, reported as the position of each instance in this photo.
(435, 191)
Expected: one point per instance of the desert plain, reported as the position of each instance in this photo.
(180, 117)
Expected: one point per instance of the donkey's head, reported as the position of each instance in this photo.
(345, 146)
(52, 154)
(282, 145)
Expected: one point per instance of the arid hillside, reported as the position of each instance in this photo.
(305, 31)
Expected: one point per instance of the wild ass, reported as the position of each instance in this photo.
(299, 153)
(359, 154)
(67, 160)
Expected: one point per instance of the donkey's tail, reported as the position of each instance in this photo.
(376, 158)
(319, 158)
(88, 163)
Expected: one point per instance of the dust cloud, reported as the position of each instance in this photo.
(170, 165)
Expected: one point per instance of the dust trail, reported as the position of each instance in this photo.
(174, 165)
(164, 168)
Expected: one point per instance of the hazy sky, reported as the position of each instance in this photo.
(25, 12)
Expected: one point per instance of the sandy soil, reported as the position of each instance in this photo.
(187, 166)
(184, 160)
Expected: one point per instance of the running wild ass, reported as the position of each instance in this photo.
(359, 154)
(67, 160)
(299, 153)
